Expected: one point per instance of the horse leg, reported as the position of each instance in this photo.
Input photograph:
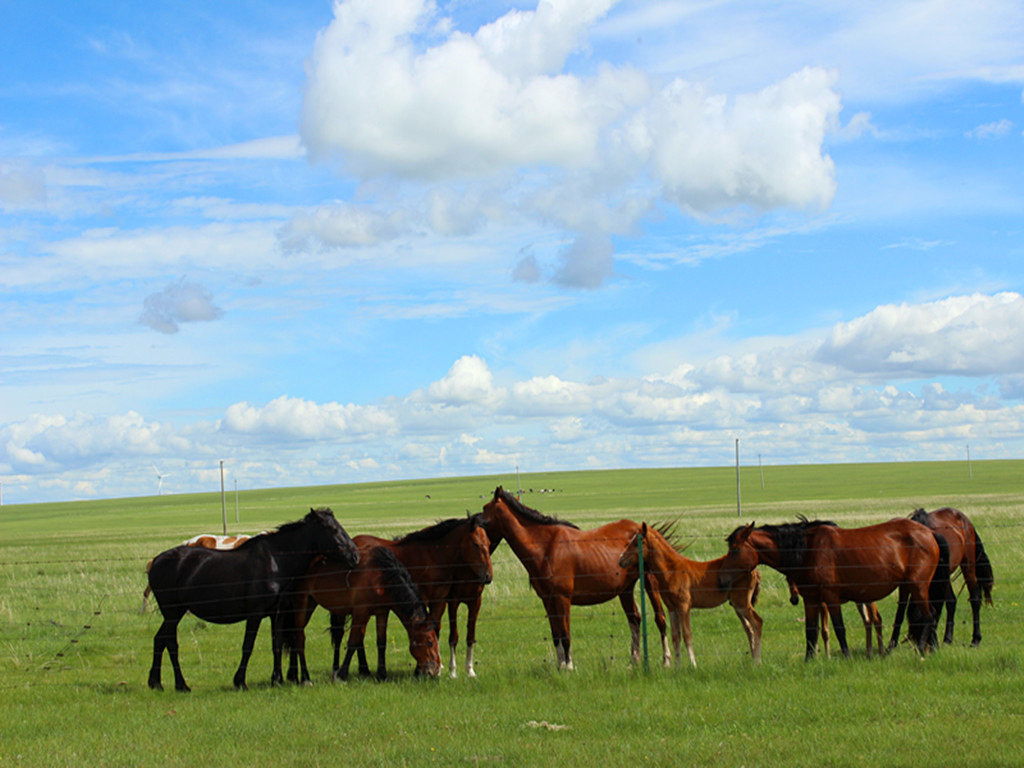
(252, 627)
(950, 611)
(875, 616)
(382, 646)
(897, 622)
(688, 634)
(752, 624)
(677, 633)
(825, 637)
(811, 623)
(453, 637)
(974, 592)
(167, 637)
(337, 635)
(659, 621)
(472, 610)
(276, 645)
(836, 612)
(633, 617)
(862, 610)
(558, 617)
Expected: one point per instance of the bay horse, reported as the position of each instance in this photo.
(451, 555)
(467, 589)
(832, 565)
(684, 584)
(378, 585)
(245, 584)
(568, 567)
(967, 553)
(870, 616)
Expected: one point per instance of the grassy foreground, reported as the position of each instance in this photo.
(75, 651)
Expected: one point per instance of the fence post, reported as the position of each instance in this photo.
(643, 597)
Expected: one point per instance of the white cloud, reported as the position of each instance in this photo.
(992, 130)
(181, 302)
(468, 381)
(299, 419)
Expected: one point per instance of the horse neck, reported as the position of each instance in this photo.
(768, 552)
(293, 550)
(666, 558)
(526, 546)
(439, 554)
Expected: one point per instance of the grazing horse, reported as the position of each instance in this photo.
(378, 585)
(832, 565)
(684, 584)
(442, 559)
(568, 566)
(244, 584)
(869, 615)
(966, 552)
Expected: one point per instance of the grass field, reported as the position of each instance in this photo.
(75, 651)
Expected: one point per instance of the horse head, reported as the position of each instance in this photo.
(741, 559)
(630, 557)
(330, 538)
(475, 551)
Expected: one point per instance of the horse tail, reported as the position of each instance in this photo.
(983, 568)
(149, 590)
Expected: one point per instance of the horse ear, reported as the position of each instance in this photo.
(643, 529)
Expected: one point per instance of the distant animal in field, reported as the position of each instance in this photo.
(684, 584)
(245, 584)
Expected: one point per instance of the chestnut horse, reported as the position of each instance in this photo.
(378, 585)
(684, 584)
(869, 615)
(568, 566)
(966, 552)
(245, 584)
(832, 565)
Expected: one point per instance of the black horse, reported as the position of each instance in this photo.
(244, 584)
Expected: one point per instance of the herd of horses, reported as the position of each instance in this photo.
(285, 574)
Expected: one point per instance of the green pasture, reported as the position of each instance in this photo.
(75, 650)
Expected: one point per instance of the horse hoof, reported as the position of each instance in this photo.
(181, 689)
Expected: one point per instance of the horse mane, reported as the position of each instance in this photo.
(790, 538)
(669, 531)
(528, 512)
(286, 527)
(920, 516)
(405, 600)
(432, 533)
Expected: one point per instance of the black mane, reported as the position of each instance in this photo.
(434, 532)
(790, 538)
(920, 516)
(405, 600)
(530, 514)
(287, 528)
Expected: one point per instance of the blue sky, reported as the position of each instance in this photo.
(388, 239)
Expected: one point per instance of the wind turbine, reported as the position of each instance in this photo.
(159, 481)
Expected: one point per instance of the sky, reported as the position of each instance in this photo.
(395, 239)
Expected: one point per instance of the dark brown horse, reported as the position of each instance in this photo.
(568, 566)
(832, 565)
(245, 584)
(441, 557)
(468, 590)
(967, 553)
(379, 585)
(684, 584)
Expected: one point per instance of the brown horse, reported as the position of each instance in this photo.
(378, 585)
(869, 615)
(966, 552)
(568, 566)
(441, 557)
(832, 565)
(684, 584)
(466, 590)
